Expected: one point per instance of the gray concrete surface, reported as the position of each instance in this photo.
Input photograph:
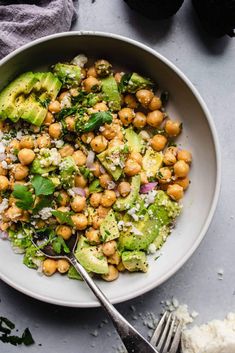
(210, 64)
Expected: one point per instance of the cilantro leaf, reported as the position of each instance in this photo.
(42, 186)
(27, 338)
(24, 196)
(59, 245)
(63, 217)
(43, 202)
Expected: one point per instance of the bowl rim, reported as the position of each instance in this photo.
(183, 77)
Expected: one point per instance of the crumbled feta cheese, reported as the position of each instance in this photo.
(2, 147)
(45, 213)
(4, 165)
(19, 135)
(80, 60)
(216, 336)
(152, 249)
(3, 205)
(58, 143)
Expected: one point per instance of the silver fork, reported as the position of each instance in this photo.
(166, 337)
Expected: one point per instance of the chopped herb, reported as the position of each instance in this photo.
(6, 326)
(58, 245)
(42, 186)
(63, 217)
(164, 97)
(96, 120)
(44, 201)
(95, 186)
(24, 197)
(66, 112)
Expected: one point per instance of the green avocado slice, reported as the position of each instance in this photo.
(109, 228)
(124, 203)
(12, 97)
(32, 110)
(111, 93)
(135, 261)
(92, 259)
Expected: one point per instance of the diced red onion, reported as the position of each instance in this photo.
(3, 235)
(102, 170)
(144, 189)
(111, 185)
(90, 159)
(3, 156)
(79, 191)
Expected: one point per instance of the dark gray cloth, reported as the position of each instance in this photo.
(23, 21)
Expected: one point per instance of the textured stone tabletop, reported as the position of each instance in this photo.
(210, 65)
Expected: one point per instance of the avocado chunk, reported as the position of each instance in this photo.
(152, 162)
(113, 160)
(109, 228)
(48, 85)
(13, 96)
(124, 203)
(134, 141)
(133, 82)
(36, 167)
(109, 88)
(33, 111)
(155, 223)
(70, 75)
(68, 169)
(92, 259)
(135, 261)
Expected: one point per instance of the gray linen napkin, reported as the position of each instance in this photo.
(23, 21)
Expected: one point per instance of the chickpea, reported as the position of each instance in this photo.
(80, 181)
(111, 275)
(26, 156)
(91, 84)
(96, 222)
(49, 267)
(131, 101)
(63, 95)
(101, 107)
(155, 118)
(115, 142)
(49, 119)
(102, 211)
(63, 265)
(79, 158)
(63, 198)
(131, 167)
(184, 155)
(13, 213)
(144, 96)
(95, 199)
(181, 169)
(78, 204)
(96, 169)
(183, 182)
(3, 171)
(140, 120)
(109, 132)
(121, 267)
(80, 221)
(64, 231)
(109, 248)
(155, 103)
(99, 144)
(66, 150)
(20, 171)
(108, 198)
(54, 107)
(74, 92)
(27, 142)
(87, 137)
(124, 188)
(118, 77)
(4, 183)
(87, 192)
(43, 141)
(104, 180)
(70, 123)
(143, 178)
(55, 130)
(175, 192)
(13, 146)
(114, 259)
(92, 72)
(93, 236)
(164, 175)
(126, 115)
(158, 142)
(173, 128)
(136, 156)
(170, 156)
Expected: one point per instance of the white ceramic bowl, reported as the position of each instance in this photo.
(199, 136)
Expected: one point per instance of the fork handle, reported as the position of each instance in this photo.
(132, 339)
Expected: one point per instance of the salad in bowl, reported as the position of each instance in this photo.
(89, 151)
